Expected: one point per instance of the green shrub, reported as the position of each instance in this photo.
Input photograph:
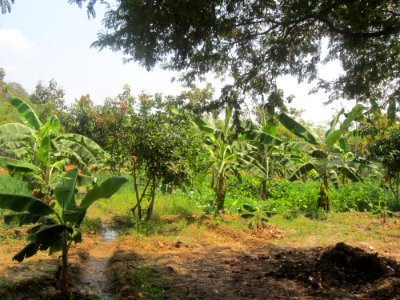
(359, 196)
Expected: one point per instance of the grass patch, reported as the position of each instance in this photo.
(5, 283)
(147, 281)
(92, 225)
(351, 228)
(135, 277)
(177, 203)
(153, 227)
(10, 185)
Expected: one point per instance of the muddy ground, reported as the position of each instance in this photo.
(220, 263)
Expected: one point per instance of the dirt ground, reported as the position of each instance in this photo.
(217, 262)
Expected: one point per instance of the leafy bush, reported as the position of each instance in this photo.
(289, 196)
(359, 196)
(301, 197)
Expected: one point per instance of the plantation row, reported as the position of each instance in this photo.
(219, 161)
(167, 143)
(286, 198)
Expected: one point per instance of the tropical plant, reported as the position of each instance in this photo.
(257, 214)
(225, 151)
(325, 155)
(269, 157)
(37, 153)
(386, 150)
(57, 227)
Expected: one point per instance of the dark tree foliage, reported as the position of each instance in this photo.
(386, 149)
(256, 41)
(5, 6)
(90, 6)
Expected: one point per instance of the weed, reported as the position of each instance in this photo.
(5, 283)
(148, 282)
(291, 214)
(92, 225)
(317, 214)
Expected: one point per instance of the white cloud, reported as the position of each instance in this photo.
(13, 40)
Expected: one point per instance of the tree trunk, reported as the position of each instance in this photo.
(153, 196)
(323, 199)
(220, 199)
(64, 266)
(264, 191)
(135, 185)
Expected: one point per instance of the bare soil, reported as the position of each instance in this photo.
(215, 262)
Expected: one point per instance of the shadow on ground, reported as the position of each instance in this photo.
(341, 271)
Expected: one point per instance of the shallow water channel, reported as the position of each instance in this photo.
(94, 277)
(108, 234)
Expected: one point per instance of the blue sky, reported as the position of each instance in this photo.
(48, 39)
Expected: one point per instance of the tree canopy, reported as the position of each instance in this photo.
(5, 5)
(257, 41)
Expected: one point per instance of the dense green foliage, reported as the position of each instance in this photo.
(257, 41)
(386, 149)
(37, 152)
(203, 156)
(215, 162)
(324, 154)
(57, 227)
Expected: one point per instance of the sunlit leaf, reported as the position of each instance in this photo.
(26, 113)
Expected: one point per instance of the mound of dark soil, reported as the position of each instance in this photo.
(344, 263)
(340, 270)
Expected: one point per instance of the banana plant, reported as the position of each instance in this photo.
(224, 151)
(325, 155)
(269, 156)
(57, 227)
(37, 153)
(257, 214)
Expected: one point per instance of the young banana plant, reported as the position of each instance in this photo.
(225, 151)
(325, 154)
(57, 227)
(37, 153)
(268, 157)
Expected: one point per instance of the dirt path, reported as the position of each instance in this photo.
(94, 280)
(229, 264)
(214, 261)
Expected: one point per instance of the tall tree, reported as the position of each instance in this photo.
(82, 116)
(50, 93)
(50, 99)
(160, 150)
(257, 41)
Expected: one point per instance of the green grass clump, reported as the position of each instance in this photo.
(177, 203)
(11, 185)
(92, 225)
(360, 196)
(147, 281)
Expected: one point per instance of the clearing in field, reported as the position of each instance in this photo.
(192, 257)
